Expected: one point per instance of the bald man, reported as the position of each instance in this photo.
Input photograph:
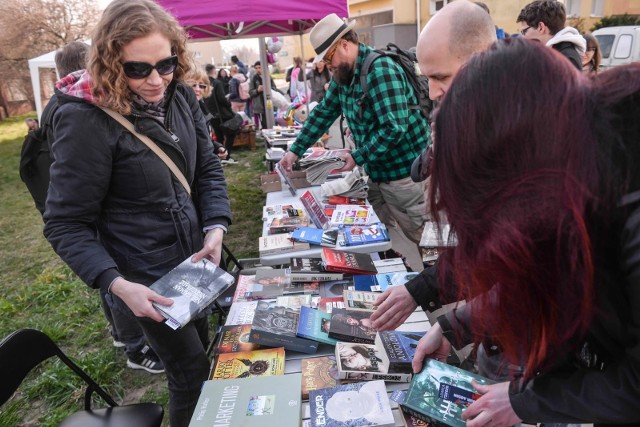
(456, 32)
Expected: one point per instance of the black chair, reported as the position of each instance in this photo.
(24, 349)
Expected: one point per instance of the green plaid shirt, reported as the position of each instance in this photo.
(389, 136)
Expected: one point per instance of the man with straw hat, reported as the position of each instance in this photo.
(388, 134)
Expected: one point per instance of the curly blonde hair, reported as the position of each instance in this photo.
(121, 22)
(199, 76)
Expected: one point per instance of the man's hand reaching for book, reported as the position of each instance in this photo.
(287, 161)
(139, 298)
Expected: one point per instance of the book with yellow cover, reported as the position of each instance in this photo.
(318, 372)
(242, 364)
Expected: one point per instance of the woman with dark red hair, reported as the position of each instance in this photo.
(537, 170)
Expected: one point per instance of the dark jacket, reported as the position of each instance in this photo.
(217, 103)
(258, 97)
(568, 49)
(114, 208)
(317, 81)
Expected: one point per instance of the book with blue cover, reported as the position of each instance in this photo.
(351, 405)
(315, 236)
(397, 349)
(386, 280)
(314, 325)
(355, 235)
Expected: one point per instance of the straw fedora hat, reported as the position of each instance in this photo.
(327, 32)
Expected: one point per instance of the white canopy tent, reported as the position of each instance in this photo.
(35, 64)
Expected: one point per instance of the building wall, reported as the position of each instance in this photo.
(503, 13)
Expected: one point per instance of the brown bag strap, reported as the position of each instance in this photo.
(152, 146)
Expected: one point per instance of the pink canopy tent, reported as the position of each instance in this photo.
(231, 19)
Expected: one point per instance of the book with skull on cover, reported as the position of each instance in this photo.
(276, 327)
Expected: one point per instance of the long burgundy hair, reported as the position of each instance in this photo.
(519, 174)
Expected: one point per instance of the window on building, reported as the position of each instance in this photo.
(597, 7)
(572, 7)
(623, 48)
(436, 5)
(365, 23)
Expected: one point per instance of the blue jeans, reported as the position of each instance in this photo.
(183, 353)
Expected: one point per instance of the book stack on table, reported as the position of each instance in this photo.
(342, 223)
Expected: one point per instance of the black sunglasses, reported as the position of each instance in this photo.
(140, 70)
(200, 85)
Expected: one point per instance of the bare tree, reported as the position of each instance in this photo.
(29, 28)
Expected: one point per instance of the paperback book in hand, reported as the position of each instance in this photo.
(192, 286)
(440, 392)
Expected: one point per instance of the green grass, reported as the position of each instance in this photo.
(39, 291)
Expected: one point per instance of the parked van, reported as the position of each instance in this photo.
(618, 45)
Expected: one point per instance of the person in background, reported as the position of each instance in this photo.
(243, 68)
(500, 34)
(223, 77)
(199, 82)
(237, 103)
(115, 213)
(319, 79)
(545, 20)
(218, 105)
(32, 124)
(592, 56)
(295, 78)
(256, 90)
(548, 235)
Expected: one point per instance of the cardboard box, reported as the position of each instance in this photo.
(271, 182)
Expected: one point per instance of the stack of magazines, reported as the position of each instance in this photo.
(320, 163)
(354, 184)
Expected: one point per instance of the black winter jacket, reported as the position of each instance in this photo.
(114, 208)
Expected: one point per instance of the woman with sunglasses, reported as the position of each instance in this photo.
(199, 82)
(115, 212)
(591, 57)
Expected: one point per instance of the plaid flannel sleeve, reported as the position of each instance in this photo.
(319, 121)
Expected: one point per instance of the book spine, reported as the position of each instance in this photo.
(418, 415)
(350, 338)
(287, 341)
(313, 277)
(372, 376)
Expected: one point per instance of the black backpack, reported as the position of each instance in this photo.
(407, 60)
(35, 159)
